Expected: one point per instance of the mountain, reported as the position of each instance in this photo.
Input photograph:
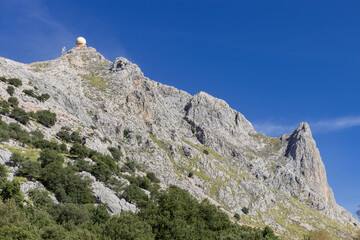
(195, 142)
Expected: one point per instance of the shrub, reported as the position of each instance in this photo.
(152, 177)
(134, 194)
(46, 118)
(115, 152)
(43, 97)
(10, 90)
(17, 159)
(4, 104)
(206, 152)
(76, 138)
(245, 210)
(15, 82)
(190, 175)
(128, 226)
(29, 92)
(101, 171)
(3, 171)
(237, 216)
(99, 214)
(40, 198)
(3, 79)
(11, 190)
(20, 115)
(128, 167)
(13, 101)
(126, 133)
(30, 169)
(48, 156)
(64, 135)
(79, 150)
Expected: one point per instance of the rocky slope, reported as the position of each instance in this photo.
(282, 181)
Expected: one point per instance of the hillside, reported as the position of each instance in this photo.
(197, 143)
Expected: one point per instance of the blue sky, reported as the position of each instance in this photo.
(277, 62)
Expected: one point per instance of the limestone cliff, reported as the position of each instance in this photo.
(282, 181)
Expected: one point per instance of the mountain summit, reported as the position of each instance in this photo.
(195, 142)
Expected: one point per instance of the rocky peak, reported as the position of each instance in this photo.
(306, 160)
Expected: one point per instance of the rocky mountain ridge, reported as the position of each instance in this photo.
(281, 181)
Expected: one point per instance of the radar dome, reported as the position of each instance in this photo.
(80, 42)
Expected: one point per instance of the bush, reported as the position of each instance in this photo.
(17, 159)
(46, 118)
(79, 150)
(29, 92)
(206, 152)
(191, 174)
(10, 90)
(237, 216)
(48, 156)
(128, 167)
(128, 226)
(115, 152)
(40, 198)
(134, 194)
(245, 210)
(13, 101)
(64, 135)
(20, 115)
(152, 177)
(3, 171)
(76, 138)
(126, 133)
(30, 169)
(11, 190)
(43, 97)
(15, 82)
(101, 171)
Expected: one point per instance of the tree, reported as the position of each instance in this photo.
(46, 118)
(11, 190)
(128, 226)
(48, 156)
(13, 101)
(3, 171)
(20, 115)
(30, 169)
(79, 150)
(15, 82)
(17, 159)
(10, 90)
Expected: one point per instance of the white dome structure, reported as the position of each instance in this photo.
(80, 42)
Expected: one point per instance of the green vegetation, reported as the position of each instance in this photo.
(46, 118)
(115, 152)
(237, 216)
(65, 135)
(15, 82)
(245, 210)
(42, 98)
(20, 115)
(10, 90)
(13, 101)
(317, 235)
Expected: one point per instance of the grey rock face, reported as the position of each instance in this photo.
(108, 197)
(173, 133)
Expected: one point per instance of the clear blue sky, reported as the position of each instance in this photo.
(277, 62)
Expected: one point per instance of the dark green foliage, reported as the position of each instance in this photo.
(64, 135)
(83, 165)
(67, 186)
(129, 226)
(15, 82)
(3, 79)
(245, 210)
(44, 144)
(46, 118)
(30, 169)
(134, 194)
(237, 216)
(17, 159)
(43, 97)
(63, 148)
(15, 131)
(37, 135)
(40, 198)
(206, 152)
(79, 150)
(75, 137)
(3, 172)
(29, 92)
(4, 107)
(101, 171)
(10, 90)
(11, 190)
(115, 152)
(99, 214)
(191, 174)
(152, 177)
(13, 101)
(126, 133)
(20, 115)
(128, 167)
(48, 156)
